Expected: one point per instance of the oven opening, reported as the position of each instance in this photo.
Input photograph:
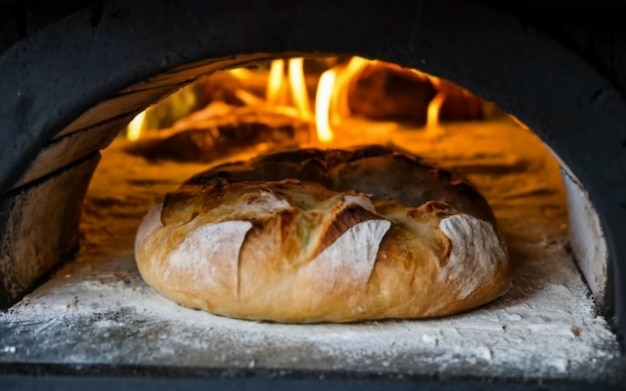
(97, 309)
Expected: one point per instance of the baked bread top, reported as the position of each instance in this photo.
(381, 172)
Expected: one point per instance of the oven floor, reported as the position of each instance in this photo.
(98, 310)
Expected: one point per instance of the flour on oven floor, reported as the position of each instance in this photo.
(102, 312)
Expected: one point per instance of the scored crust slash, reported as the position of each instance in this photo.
(315, 236)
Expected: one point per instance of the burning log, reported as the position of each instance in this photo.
(222, 86)
(389, 92)
(354, 87)
(459, 104)
(240, 130)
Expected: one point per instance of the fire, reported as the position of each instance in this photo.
(331, 101)
(432, 118)
(333, 117)
(135, 127)
(434, 106)
(341, 107)
(322, 106)
(298, 87)
(240, 73)
(331, 105)
(248, 98)
(275, 82)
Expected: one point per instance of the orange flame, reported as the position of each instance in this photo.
(322, 106)
(331, 100)
(298, 87)
(286, 93)
(340, 107)
(248, 98)
(240, 73)
(135, 127)
(275, 82)
(432, 119)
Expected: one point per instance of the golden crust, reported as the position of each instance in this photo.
(292, 251)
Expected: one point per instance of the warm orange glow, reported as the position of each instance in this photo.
(340, 108)
(322, 106)
(435, 80)
(135, 127)
(298, 87)
(279, 87)
(275, 82)
(434, 107)
(253, 101)
(240, 73)
(248, 98)
(518, 122)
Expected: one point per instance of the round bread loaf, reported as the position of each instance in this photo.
(241, 241)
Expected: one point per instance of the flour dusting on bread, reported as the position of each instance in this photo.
(210, 254)
(476, 252)
(350, 259)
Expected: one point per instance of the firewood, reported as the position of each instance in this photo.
(210, 139)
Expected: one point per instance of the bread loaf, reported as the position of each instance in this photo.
(298, 250)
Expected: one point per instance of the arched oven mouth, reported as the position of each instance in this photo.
(74, 195)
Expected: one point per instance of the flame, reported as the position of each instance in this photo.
(331, 100)
(135, 127)
(434, 106)
(432, 119)
(322, 106)
(240, 73)
(275, 82)
(298, 87)
(286, 94)
(341, 108)
(248, 98)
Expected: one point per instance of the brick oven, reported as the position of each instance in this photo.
(75, 74)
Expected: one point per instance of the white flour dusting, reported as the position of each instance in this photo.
(476, 250)
(349, 260)
(210, 254)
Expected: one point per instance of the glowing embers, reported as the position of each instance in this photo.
(298, 102)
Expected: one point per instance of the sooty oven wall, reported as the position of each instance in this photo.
(75, 72)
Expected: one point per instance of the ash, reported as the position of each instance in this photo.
(97, 309)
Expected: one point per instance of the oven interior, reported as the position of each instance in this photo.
(96, 309)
